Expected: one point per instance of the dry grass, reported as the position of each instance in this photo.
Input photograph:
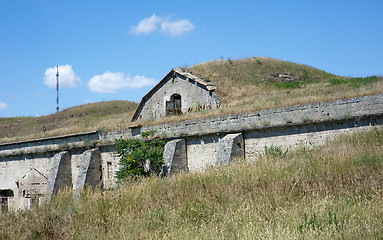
(88, 117)
(330, 193)
(254, 83)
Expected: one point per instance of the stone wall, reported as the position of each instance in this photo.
(286, 116)
(204, 142)
(316, 112)
(203, 150)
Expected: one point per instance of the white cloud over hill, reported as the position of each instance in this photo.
(67, 77)
(110, 82)
(165, 25)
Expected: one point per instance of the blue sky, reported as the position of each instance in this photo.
(117, 50)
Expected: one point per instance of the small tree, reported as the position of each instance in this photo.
(135, 154)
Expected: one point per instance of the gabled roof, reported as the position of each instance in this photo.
(208, 86)
(33, 172)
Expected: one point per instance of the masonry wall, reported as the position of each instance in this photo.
(316, 112)
(202, 150)
(49, 143)
(110, 164)
(290, 127)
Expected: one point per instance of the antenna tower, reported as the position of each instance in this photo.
(57, 88)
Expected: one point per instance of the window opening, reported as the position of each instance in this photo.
(174, 106)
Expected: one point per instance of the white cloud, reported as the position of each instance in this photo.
(67, 77)
(147, 25)
(176, 27)
(3, 105)
(166, 25)
(109, 82)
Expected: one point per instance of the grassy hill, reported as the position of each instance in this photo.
(88, 117)
(242, 85)
(259, 83)
(335, 192)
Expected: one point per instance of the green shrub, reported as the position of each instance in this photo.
(134, 155)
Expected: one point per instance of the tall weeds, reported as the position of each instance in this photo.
(334, 192)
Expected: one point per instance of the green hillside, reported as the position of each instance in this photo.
(334, 192)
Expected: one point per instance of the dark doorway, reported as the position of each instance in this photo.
(173, 107)
(5, 194)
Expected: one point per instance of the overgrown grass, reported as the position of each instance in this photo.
(335, 192)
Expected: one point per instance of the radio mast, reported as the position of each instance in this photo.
(57, 88)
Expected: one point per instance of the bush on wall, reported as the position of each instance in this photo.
(139, 157)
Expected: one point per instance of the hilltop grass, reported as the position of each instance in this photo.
(243, 85)
(253, 84)
(334, 192)
(259, 83)
(88, 117)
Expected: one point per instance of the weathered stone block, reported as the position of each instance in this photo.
(89, 174)
(175, 156)
(230, 147)
(60, 174)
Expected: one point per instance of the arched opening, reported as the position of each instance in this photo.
(174, 107)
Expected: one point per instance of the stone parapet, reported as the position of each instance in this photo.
(337, 110)
(299, 114)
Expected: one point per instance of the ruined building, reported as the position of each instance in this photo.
(177, 93)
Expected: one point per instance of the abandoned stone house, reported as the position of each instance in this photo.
(29, 191)
(177, 93)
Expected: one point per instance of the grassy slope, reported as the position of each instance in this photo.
(257, 83)
(88, 117)
(242, 85)
(334, 192)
